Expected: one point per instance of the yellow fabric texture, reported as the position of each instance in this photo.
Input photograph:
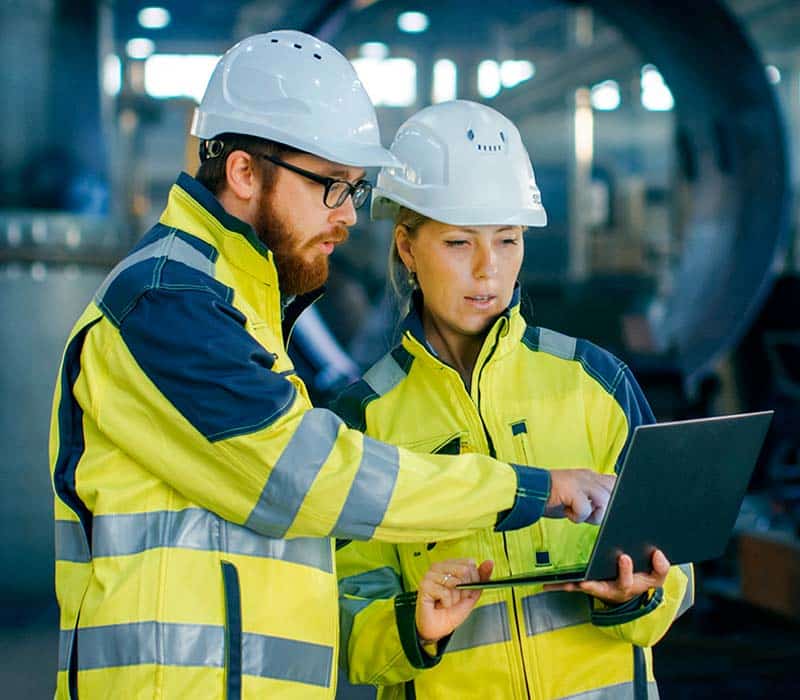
(539, 398)
(182, 568)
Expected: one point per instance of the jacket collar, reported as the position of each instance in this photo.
(509, 327)
(193, 208)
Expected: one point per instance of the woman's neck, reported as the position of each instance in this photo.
(458, 350)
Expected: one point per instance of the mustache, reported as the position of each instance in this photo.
(338, 235)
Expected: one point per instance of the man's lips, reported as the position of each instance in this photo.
(329, 241)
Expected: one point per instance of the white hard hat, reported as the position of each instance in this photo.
(292, 88)
(463, 164)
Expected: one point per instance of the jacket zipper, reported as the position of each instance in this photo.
(516, 623)
(493, 453)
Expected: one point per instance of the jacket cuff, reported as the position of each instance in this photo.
(610, 615)
(404, 608)
(533, 491)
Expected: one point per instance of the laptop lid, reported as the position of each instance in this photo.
(679, 490)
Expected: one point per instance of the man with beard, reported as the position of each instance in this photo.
(197, 490)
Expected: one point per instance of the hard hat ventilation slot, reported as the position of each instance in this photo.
(297, 46)
(317, 56)
(274, 41)
(471, 135)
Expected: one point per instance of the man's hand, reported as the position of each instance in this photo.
(441, 607)
(628, 584)
(579, 494)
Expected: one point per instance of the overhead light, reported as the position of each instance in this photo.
(112, 74)
(773, 74)
(373, 49)
(391, 82)
(584, 128)
(656, 96)
(412, 22)
(139, 48)
(445, 79)
(605, 96)
(515, 72)
(153, 17)
(178, 75)
(489, 82)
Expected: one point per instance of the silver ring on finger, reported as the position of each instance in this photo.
(446, 578)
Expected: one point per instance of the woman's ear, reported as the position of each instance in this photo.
(403, 242)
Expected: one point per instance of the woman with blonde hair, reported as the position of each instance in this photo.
(470, 375)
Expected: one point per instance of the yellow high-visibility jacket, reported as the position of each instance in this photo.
(197, 490)
(536, 397)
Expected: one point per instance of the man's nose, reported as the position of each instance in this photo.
(345, 214)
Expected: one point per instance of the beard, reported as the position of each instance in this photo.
(302, 266)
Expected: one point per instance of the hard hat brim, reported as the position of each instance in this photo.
(209, 125)
(384, 207)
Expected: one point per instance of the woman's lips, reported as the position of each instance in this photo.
(481, 301)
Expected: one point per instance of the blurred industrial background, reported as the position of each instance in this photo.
(665, 137)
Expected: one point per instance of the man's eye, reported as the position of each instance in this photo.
(455, 244)
(512, 241)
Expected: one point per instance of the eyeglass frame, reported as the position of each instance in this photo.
(327, 182)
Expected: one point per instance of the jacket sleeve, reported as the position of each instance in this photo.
(379, 644)
(184, 389)
(644, 620)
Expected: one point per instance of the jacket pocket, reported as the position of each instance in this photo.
(233, 632)
(524, 456)
(519, 438)
(440, 444)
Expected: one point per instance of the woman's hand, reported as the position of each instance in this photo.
(627, 586)
(441, 607)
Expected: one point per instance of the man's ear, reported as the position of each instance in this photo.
(403, 242)
(240, 175)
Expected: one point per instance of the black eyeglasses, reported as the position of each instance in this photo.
(336, 191)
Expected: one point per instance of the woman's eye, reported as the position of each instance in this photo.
(510, 241)
(455, 244)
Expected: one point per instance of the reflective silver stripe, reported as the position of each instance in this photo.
(688, 595)
(370, 491)
(557, 344)
(171, 644)
(195, 528)
(70, 542)
(64, 648)
(554, 610)
(138, 643)
(621, 691)
(487, 624)
(384, 375)
(287, 659)
(294, 472)
(376, 583)
(180, 251)
(169, 246)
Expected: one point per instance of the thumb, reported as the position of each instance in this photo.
(579, 507)
(485, 570)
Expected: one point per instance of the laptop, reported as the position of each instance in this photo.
(679, 490)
